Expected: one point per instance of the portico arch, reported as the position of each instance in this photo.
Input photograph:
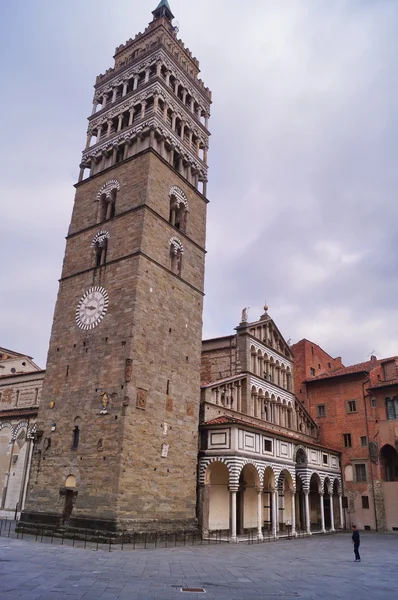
(268, 491)
(216, 513)
(249, 484)
(285, 503)
(315, 502)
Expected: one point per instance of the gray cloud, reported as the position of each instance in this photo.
(303, 172)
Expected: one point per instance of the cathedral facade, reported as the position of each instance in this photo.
(122, 419)
(262, 469)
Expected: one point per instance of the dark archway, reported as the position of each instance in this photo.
(389, 462)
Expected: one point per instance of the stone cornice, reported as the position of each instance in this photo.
(147, 150)
(136, 254)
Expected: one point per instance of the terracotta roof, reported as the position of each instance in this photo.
(225, 420)
(364, 367)
(380, 384)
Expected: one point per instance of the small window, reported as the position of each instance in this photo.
(319, 366)
(364, 441)
(178, 209)
(365, 501)
(312, 372)
(351, 406)
(373, 402)
(176, 253)
(345, 502)
(360, 473)
(329, 366)
(321, 410)
(325, 459)
(267, 446)
(347, 440)
(392, 408)
(76, 438)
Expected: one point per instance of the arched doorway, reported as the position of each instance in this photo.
(218, 513)
(249, 483)
(389, 463)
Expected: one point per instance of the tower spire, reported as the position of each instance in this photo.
(163, 10)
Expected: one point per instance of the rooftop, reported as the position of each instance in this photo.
(363, 367)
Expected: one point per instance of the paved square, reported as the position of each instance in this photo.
(321, 567)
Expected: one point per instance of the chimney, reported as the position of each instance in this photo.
(373, 358)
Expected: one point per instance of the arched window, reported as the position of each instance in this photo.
(100, 246)
(392, 408)
(389, 461)
(178, 208)
(106, 198)
(176, 252)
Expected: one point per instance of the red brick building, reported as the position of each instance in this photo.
(356, 408)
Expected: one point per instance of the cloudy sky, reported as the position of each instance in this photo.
(303, 159)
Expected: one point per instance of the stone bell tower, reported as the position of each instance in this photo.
(117, 434)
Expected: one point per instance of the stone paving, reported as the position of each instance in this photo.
(320, 567)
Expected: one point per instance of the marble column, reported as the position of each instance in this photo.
(234, 537)
(125, 86)
(307, 511)
(332, 528)
(293, 513)
(322, 513)
(136, 80)
(259, 513)
(341, 511)
(274, 495)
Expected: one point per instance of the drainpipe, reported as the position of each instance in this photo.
(370, 460)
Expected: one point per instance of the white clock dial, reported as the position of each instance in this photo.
(92, 308)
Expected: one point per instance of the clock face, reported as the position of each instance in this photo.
(92, 308)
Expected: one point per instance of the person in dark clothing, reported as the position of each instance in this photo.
(356, 541)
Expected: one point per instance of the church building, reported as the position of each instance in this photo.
(21, 382)
(262, 469)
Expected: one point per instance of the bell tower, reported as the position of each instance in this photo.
(117, 434)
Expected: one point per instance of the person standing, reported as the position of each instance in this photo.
(356, 541)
